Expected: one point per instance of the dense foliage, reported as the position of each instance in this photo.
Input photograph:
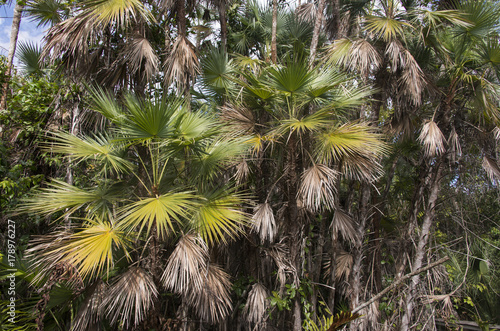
(182, 165)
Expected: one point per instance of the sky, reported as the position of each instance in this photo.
(28, 31)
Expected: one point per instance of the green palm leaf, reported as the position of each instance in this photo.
(219, 216)
(161, 211)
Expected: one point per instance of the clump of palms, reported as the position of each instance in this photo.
(155, 205)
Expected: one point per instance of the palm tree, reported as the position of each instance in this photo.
(298, 118)
(156, 205)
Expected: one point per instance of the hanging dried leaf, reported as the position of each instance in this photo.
(317, 188)
(263, 222)
(432, 138)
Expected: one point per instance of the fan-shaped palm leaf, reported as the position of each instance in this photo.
(257, 304)
(47, 12)
(219, 215)
(317, 188)
(131, 297)
(213, 302)
(29, 56)
(263, 222)
(161, 211)
(186, 265)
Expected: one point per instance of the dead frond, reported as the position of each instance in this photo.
(263, 222)
(432, 138)
(343, 224)
(212, 302)
(343, 265)
(90, 310)
(413, 79)
(492, 169)
(454, 145)
(186, 265)
(181, 64)
(317, 188)
(130, 298)
(306, 12)
(141, 57)
(257, 304)
(238, 116)
(242, 171)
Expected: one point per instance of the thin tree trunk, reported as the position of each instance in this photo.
(223, 23)
(14, 33)
(317, 27)
(422, 243)
(274, 48)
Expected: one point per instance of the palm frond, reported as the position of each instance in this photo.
(257, 304)
(90, 250)
(356, 54)
(30, 58)
(90, 311)
(385, 27)
(219, 215)
(101, 148)
(343, 225)
(131, 297)
(432, 138)
(317, 188)
(492, 169)
(141, 57)
(292, 78)
(161, 211)
(263, 222)
(186, 265)
(213, 302)
(59, 196)
(344, 264)
(47, 12)
(119, 12)
(217, 70)
(239, 117)
(182, 63)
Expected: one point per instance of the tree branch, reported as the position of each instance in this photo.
(399, 281)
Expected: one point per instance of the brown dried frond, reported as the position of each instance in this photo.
(257, 304)
(317, 188)
(454, 146)
(238, 116)
(306, 12)
(395, 53)
(186, 265)
(432, 138)
(281, 256)
(131, 297)
(242, 171)
(141, 56)
(212, 302)
(344, 225)
(181, 64)
(496, 133)
(263, 222)
(364, 57)
(492, 169)
(343, 265)
(413, 79)
(90, 310)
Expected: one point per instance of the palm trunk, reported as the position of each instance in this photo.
(14, 33)
(274, 48)
(317, 27)
(223, 23)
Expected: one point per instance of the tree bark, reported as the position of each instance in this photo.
(422, 243)
(317, 26)
(223, 23)
(14, 34)
(274, 48)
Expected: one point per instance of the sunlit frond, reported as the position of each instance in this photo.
(120, 12)
(263, 222)
(186, 265)
(161, 211)
(349, 140)
(131, 297)
(213, 302)
(385, 27)
(257, 304)
(356, 54)
(219, 216)
(317, 187)
(432, 139)
(61, 196)
(90, 250)
(101, 148)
